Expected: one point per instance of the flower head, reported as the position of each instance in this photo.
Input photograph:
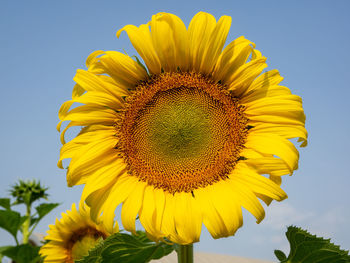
(190, 138)
(27, 192)
(72, 236)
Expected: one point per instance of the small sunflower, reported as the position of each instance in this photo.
(190, 138)
(73, 236)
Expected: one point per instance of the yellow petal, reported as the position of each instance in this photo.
(148, 212)
(273, 118)
(70, 124)
(91, 157)
(244, 76)
(170, 39)
(276, 145)
(262, 85)
(231, 58)
(215, 45)
(268, 165)
(68, 150)
(120, 191)
(141, 39)
(64, 109)
(159, 197)
(103, 176)
(285, 131)
(77, 91)
(92, 58)
(92, 150)
(131, 207)
(168, 221)
(90, 82)
(82, 173)
(54, 252)
(123, 87)
(247, 199)
(122, 67)
(199, 31)
(96, 201)
(268, 91)
(87, 115)
(211, 218)
(100, 99)
(227, 206)
(288, 106)
(267, 200)
(257, 183)
(188, 218)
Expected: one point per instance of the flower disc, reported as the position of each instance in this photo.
(181, 131)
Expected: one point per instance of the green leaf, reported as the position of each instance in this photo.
(33, 220)
(4, 248)
(24, 253)
(126, 248)
(307, 248)
(280, 255)
(5, 203)
(1, 251)
(11, 221)
(44, 209)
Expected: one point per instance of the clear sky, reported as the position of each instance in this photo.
(42, 43)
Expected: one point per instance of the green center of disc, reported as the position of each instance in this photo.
(177, 126)
(180, 129)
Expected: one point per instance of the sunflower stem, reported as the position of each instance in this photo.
(185, 253)
(26, 225)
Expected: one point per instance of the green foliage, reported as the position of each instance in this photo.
(5, 203)
(27, 192)
(307, 248)
(1, 251)
(126, 248)
(280, 255)
(11, 221)
(42, 210)
(24, 253)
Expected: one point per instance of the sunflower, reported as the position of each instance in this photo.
(190, 137)
(73, 236)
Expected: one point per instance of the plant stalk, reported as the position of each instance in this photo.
(185, 253)
(26, 225)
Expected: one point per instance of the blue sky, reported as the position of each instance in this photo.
(43, 43)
